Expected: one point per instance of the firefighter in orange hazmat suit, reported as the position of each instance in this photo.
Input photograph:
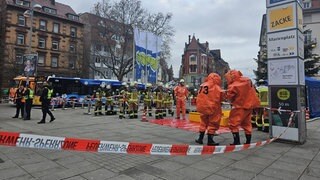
(242, 95)
(209, 100)
(181, 93)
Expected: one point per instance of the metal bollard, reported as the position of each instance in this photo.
(73, 104)
(52, 104)
(63, 104)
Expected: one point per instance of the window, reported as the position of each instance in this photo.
(41, 60)
(72, 48)
(73, 32)
(55, 45)
(71, 63)
(193, 59)
(193, 68)
(19, 57)
(97, 60)
(23, 3)
(49, 10)
(56, 28)
(54, 61)
(98, 47)
(42, 43)
(43, 25)
(117, 38)
(73, 17)
(307, 5)
(21, 20)
(307, 37)
(20, 39)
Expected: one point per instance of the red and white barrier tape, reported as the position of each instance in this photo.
(94, 145)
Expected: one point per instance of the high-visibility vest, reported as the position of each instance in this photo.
(30, 95)
(50, 92)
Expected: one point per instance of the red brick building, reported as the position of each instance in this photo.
(198, 61)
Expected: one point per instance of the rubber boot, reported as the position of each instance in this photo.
(248, 137)
(200, 139)
(236, 139)
(210, 141)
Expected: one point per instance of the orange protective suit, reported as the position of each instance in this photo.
(209, 104)
(242, 95)
(181, 94)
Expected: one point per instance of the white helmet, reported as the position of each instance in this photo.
(182, 80)
(148, 85)
(160, 84)
(108, 86)
(124, 83)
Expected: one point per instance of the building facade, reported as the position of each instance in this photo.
(104, 47)
(198, 61)
(56, 38)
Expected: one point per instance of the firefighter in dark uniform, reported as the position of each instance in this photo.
(133, 100)
(168, 101)
(45, 99)
(123, 98)
(28, 95)
(148, 99)
(159, 95)
(109, 100)
(20, 102)
(98, 102)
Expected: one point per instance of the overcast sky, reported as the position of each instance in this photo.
(233, 26)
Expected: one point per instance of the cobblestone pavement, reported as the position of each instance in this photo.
(273, 161)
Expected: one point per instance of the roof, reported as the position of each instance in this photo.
(62, 9)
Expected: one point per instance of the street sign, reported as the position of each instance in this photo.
(285, 44)
(279, 2)
(281, 17)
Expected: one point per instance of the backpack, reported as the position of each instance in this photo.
(208, 98)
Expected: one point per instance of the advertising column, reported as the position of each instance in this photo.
(285, 43)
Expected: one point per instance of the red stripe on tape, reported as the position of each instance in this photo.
(246, 146)
(138, 148)
(178, 149)
(230, 148)
(208, 150)
(259, 143)
(9, 138)
(81, 144)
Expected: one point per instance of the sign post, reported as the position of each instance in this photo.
(286, 70)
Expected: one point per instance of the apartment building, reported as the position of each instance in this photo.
(56, 38)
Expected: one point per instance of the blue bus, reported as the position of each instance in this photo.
(78, 88)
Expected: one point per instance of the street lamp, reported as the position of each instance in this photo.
(30, 13)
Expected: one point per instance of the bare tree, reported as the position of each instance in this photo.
(116, 32)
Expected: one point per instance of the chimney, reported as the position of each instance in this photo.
(207, 44)
(53, 2)
(189, 39)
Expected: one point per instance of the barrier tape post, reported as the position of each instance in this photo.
(63, 103)
(307, 114)
(144, 118)
(52, 104)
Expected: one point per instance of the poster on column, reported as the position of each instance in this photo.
(279, 2)
(281, 17)
(283, 72)
(284, 98)
(30, 62)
